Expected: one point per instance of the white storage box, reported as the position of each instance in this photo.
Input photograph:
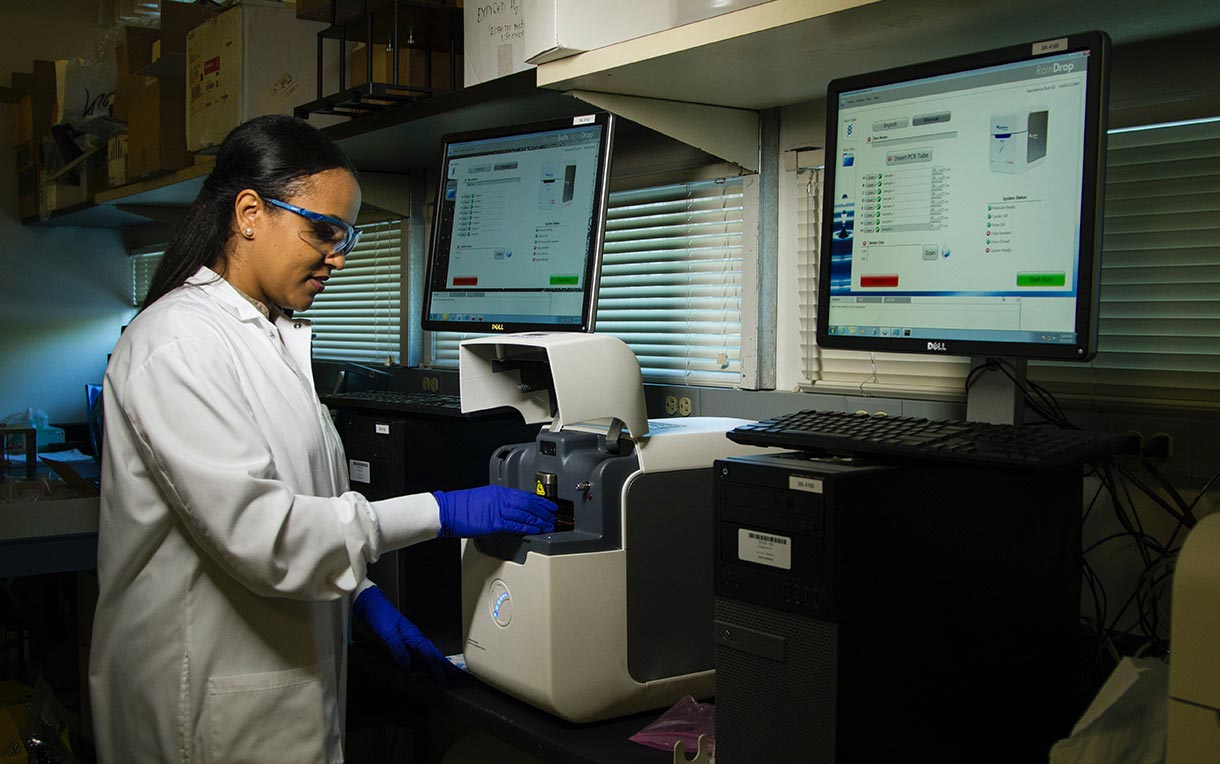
(559, 28)
(493, 40)
(254, 59)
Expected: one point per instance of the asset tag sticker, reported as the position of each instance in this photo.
(381, 429)
(807, 484)
(1050, 46)
(587, 119)
(358, 471)
(764, 548)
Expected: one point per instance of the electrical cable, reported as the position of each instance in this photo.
(1203, 490)
(1118, 481)
(1092, 502)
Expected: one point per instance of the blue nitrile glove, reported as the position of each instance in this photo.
(493, 509)
(399, 634)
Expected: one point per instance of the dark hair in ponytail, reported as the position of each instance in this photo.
(273, 155)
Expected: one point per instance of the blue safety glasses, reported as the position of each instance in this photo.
(328, 231)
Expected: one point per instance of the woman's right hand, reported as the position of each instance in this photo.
(494, 509)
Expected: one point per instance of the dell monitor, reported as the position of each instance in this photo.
(962, 204)
(520, 215)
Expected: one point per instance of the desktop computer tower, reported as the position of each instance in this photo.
(870, 612)
(394, 453)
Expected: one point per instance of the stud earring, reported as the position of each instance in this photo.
(249, 233)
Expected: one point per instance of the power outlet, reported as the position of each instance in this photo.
(671, 405)
(1159, 446)
(684, 406)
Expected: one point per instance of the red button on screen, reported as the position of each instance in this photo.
(885, 280)
(465, 280)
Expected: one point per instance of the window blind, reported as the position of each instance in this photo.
(143, 265)
(670, 282)
(1160, 280)
(358, 317)
(851, 371)
(1159, 328)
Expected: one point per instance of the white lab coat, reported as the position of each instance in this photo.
(227, 549)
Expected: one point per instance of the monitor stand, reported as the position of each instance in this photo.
(994, 397)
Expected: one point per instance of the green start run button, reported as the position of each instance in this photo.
(564, 280)
(1041, 279)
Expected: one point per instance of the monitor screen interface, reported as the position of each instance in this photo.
(961, 205)
(516, 244)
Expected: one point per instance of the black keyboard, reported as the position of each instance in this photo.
(838, 432)
(418, 402)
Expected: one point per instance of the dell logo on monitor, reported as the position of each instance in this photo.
(942, 347)
(497, 327)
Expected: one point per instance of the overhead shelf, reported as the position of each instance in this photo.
(786, 51)
(398, 140)
(177, 189)
(406, 139)
(155, 199)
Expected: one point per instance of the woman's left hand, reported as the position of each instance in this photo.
(402, 637)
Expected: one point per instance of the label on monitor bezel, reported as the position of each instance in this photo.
(1050, 46)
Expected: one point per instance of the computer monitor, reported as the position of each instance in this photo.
(94, 418)
(962, 208)
(517, 237)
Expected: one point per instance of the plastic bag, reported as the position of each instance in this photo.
(27, 418)
(1126, 720)
(685, 721)
(51, 733)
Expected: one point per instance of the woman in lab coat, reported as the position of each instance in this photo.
(230, 549)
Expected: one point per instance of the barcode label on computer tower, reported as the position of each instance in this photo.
(764, 548)
(358, 471)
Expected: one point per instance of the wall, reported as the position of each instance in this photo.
(64, 292)
(64, 295)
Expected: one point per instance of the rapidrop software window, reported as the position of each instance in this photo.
(518, 215)
(958, 201)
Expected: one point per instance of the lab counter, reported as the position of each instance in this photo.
(54, 536)
(472, 705)
(48, 536)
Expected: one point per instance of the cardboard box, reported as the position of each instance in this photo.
(22, 130)
(411, 68)
(315, 10)
(131, 56)
(43, 94)
(343, 10)
(255, 58)
(411, 65)
(123, 85)
(493, 41)
(62, 195)
(27, 197)
(116, 161)
(59, 192)
(558, 28)
(27, 180)
(14, 718)
(137, 47)
(177, 20)
(156, 128)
